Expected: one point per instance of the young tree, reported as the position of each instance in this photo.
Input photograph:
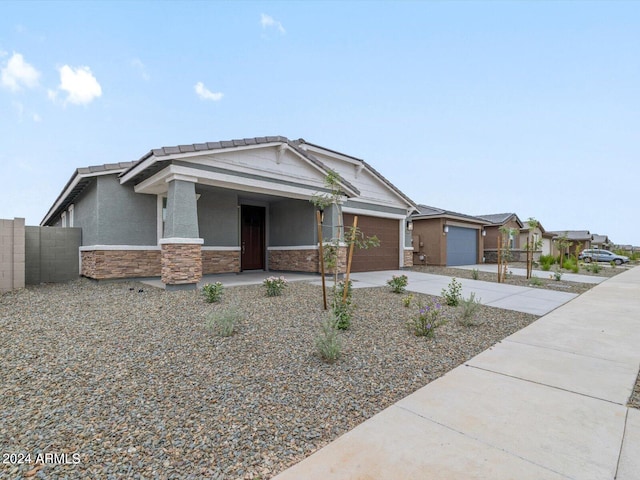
(532, 245)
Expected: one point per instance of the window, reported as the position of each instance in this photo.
(64, 219)
(71, 210)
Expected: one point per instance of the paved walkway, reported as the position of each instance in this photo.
(548, 402)
(522, 272)
(538, 301)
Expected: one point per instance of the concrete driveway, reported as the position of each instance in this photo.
(521, 272)
(537, 301)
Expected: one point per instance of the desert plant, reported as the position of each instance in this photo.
(342, 307)
(546, 261)
(213, 292)
(275, 286)
(453, 293)
(594, 268)
(398, 283)
(475, 274)
(469, 310)
(224, 322)
(406, 301)
(429, 318)
(328, 342)
(570, 264)
(535, 281)
(557, 275)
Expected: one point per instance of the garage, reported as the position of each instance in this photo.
(462, 246)
(384, 257)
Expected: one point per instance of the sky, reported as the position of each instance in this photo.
(474, 107)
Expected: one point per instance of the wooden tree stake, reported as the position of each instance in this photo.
(321, 253)
(352, 243)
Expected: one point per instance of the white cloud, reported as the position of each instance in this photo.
(267, 21)
(17, 74)
(141, 68)
(205, 94)
(79, 83)
(37, 118)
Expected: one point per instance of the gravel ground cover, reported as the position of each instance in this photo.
(131, 384)
(546, 282)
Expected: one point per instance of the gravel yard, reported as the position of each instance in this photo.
(136, 386)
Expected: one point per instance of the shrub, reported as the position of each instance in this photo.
(453, 293)
(342, 311)
(545, 266)
(275, 286)
(328, 341)
(546, 261)
(398, 283)
(475, 274)
(224, 322)
(406, 301)
(536, 282)
(469, 311)
(569, 263)
(594, 268)
(427, 321)
(557, 275)
(213, 292)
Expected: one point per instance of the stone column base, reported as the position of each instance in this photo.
(181, 263)
(408, 259)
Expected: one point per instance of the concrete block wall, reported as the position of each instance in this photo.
(12, 254)
(52, 254)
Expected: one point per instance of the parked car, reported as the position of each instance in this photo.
(600, 255)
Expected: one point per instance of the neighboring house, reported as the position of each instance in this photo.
(601, 241)
(496, 222)
(579, 239)
(181, 212)
(538, 234)
(446, 238)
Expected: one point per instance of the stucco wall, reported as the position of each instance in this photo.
(292, 222)
(85, 214)
(218, 217)
(51, 254)
(124, 217)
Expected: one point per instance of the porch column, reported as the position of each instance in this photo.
(181, 246)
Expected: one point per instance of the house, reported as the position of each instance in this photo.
(230, 206)
(495, 223)
(601, 241)
(535, 235)
(578, 240)
(445, 238)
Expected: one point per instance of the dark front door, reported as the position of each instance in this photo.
(252, 238)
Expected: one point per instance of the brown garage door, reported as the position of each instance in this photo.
(384, 257)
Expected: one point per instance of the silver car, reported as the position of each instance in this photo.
(600, 255)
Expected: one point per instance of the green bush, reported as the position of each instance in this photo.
(224, 322)
(569, 264)
(398, 283)
(453, 293)
(475, 274)
(275, 286)
(213, 292)
(342, 311)
(328, 342)
(469, 311)
(546, 261)
(536, 282)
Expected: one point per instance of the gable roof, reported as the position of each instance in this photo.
(501, 218)
(156, 159)
(425, 211)
(77, 183)
(573, 234)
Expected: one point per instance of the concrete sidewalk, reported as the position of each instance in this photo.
(537, 301)
(548, 402)
(522, 272)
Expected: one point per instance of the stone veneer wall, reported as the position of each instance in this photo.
(181, 263)
(491, 255)
(220, 261)
(408, 259)
(294, 260)
(106, 264)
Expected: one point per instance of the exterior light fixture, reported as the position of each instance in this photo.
(445, 229)
(409, 225)
(484, 232)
